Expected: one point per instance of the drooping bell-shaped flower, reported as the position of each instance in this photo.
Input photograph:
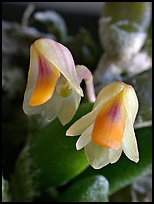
(108, 129)
(53, 85)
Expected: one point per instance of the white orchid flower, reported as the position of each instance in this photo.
(108, 129)
(53, 85)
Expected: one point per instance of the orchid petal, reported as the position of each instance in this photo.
(131, 102)
(108, 92)
(61, 58)
(110, 123)
(82, 124)
(97, 156)
(129, 144)
(85, 138)
(32, 79)
(53, 106)
(69, 107)
(114, 154)
(46, 81)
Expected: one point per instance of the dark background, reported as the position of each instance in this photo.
(75, 14)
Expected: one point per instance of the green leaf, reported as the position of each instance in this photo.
(90, 189)
(22, 182)
(124, 172)
(55, 155)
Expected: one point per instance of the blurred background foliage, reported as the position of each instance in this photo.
(39, 162)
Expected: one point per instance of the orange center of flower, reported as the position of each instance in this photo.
(110, 123)
(46, 81)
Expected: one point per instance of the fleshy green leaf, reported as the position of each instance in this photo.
(22, 183)
(90, 189)
(55, 155)
(124, 172)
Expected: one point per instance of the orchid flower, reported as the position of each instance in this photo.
(108, 130)
(53, 85)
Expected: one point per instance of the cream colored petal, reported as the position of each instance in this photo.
(69, 107)
(53, 106)
(32, 78)
(114, 155)
(61, 58)
(85, 138)
(97, 156)
(108, 92)
(82, 124)
(129, 143)
(131, 102)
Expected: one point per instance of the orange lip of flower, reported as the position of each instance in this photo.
(110, 123)
(46, 81)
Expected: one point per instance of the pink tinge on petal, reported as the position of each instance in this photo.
(113, 113)
(62, 59)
